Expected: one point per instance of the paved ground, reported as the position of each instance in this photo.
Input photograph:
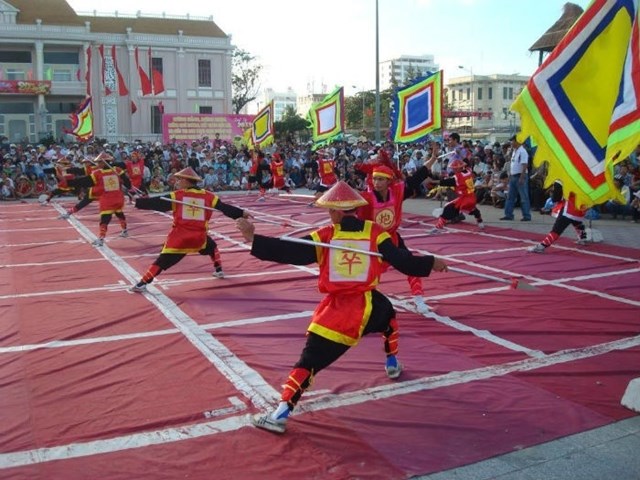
(605, 453)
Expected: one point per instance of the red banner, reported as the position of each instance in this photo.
(25, 87)
(462, 113)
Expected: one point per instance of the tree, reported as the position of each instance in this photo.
(245, 73)
(290, 125)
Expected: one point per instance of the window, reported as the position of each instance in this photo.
(204, 73)
(15, 57)
(468, 93)
(206, 110)
(510, 93)
(13, 74)
(479, 93)
(156, 119)
(504, 93)
(156, 64)
(62, 58)
(490, 93)
(453, 95)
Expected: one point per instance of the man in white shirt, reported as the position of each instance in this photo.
(518, 182)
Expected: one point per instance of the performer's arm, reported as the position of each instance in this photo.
(154, 203)
(229, 210)
(404, 261)
(86, 181)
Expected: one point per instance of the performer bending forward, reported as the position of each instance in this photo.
(352, 306)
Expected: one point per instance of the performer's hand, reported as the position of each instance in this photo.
(246, 214)
(439, 265)
(246, 228)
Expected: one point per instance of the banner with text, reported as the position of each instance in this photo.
(189, 127)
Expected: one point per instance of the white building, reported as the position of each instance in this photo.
(47, 41)
(400, 70)
(281, 101)
(486, 100)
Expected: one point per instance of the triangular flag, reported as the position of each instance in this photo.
(122, 86)
(145, 83)
(134, 108)
(107, 90)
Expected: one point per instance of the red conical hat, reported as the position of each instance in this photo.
(189, 174)
(341, 197)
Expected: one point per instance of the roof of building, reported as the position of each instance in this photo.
(59, 12)
(558, 30)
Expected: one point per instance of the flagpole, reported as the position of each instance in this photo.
(377, 77)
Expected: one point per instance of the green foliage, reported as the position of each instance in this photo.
(245, 74)
(291, 126)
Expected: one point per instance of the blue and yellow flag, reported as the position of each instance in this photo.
(327, 118)
(582, 106)
(82, 121)
(262, 128)
(417, 109)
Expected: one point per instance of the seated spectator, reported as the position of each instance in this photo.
(635, 207)
(614, 206)
(500, 190)
(482, 187)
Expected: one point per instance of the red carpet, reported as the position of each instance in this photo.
(97, 382)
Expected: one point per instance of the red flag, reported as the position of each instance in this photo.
(145, 83)
(134, 108)
(107, 90)
(122, 87)
(157, 82)
(87, 74)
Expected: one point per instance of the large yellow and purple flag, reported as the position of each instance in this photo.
(582, 106)
(417, 109)
(327, 118)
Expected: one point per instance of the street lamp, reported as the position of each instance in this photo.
(472, 100)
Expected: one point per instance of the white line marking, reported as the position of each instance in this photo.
(484, 334)
(313, 404)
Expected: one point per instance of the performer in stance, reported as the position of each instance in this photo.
(352, 306)
(190, 223)
(109, 181)
(566, 213)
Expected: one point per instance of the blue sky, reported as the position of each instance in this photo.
(332, 42)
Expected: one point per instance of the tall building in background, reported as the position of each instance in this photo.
(281, 101)
(65, 55)
(401, 70)
(479, 105)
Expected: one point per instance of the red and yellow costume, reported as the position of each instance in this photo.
(192, 209)
(352, 306)
(277, 171)
(135, 170)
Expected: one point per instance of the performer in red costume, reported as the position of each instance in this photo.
(463, 182)
(190, 224)
(352, 306)
(567, 213)
(384, 207)
(108, 181)
(277, 173)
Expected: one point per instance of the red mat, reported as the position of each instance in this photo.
(97, 382)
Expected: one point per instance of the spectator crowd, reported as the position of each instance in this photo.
(28, 170)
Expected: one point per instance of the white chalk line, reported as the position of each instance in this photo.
(311, 404)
